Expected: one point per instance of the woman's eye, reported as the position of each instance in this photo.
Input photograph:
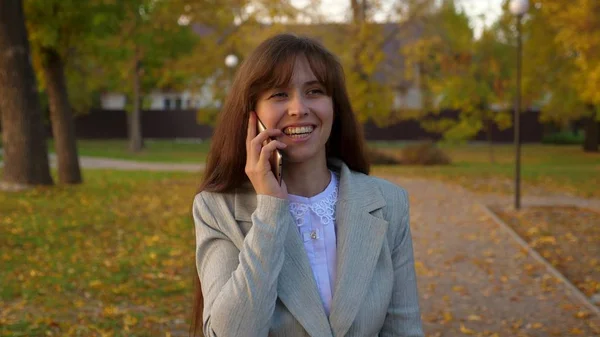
(315, 91)
(278, 95)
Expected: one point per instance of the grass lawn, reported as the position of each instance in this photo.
(168, 151)
(544, 169)
(108, 258)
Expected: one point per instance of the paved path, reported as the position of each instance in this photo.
(129, 165)
(475, 279)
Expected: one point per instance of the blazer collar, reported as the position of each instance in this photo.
(359, 234)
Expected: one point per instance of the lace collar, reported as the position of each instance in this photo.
(322, 204)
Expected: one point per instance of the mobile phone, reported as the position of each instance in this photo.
(276, 159)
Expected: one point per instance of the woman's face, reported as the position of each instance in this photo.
(302, 110)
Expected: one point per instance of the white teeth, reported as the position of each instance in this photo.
(298, 130)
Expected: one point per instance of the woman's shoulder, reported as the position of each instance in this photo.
(216, 202)
(216, 196)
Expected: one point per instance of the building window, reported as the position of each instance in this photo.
(189, 104)
(167, 104)
(178, 103)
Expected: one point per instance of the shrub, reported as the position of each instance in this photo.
(564, 138)
(381, 157)
(424, 153)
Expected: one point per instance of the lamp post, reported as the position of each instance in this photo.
(231, 61)
(518, 8)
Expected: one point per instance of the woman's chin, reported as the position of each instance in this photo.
(299, 156)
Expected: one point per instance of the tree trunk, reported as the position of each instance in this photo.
(23, 136)
(359, 10)
(136, 142)
(61, 116)
(592, 134)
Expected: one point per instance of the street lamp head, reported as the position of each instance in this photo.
(519, 7)
(231, 61)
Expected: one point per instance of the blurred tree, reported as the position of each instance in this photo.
(225, 28)
(577, 24)
(459, 73)
(23, 137)
(239, 27)
(363, 57)
(359, 44)
(58, 30)
(546, 67)
(146, 37)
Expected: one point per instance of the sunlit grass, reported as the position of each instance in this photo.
(169, 151)
(114, 254)
(544, 169)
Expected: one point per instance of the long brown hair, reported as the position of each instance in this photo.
(271, 65)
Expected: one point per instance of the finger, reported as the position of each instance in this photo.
(251, 128)
(252, 149)
(265, 135)
(267, 151)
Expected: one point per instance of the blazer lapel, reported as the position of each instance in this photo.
(359, 239)
(296, 286)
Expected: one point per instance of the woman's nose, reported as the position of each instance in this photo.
(298, 106)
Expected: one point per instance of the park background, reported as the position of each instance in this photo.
(101, 160)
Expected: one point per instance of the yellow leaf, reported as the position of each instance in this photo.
(576, 331)
(447, 317)
(129, 320)
(110, 310)
(466, 330)
(95, 283)
(458, 289)
(474, 318)
(547, 239)
(582, 314)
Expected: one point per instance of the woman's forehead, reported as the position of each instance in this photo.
(302, 72)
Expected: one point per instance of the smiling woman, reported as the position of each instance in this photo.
(328, 252)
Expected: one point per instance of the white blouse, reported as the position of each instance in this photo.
(315, 218)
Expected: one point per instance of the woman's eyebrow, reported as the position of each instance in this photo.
(312, 82)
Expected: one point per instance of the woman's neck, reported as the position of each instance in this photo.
(307, 179)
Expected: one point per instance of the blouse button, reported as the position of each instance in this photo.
(313, 235)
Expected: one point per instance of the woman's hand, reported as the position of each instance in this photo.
(258, 167)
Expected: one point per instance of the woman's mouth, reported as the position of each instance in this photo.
(299, 132)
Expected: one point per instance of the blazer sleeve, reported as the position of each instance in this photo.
(403, 316)
(239, 286)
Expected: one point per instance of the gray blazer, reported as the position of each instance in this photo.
(257, 281)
